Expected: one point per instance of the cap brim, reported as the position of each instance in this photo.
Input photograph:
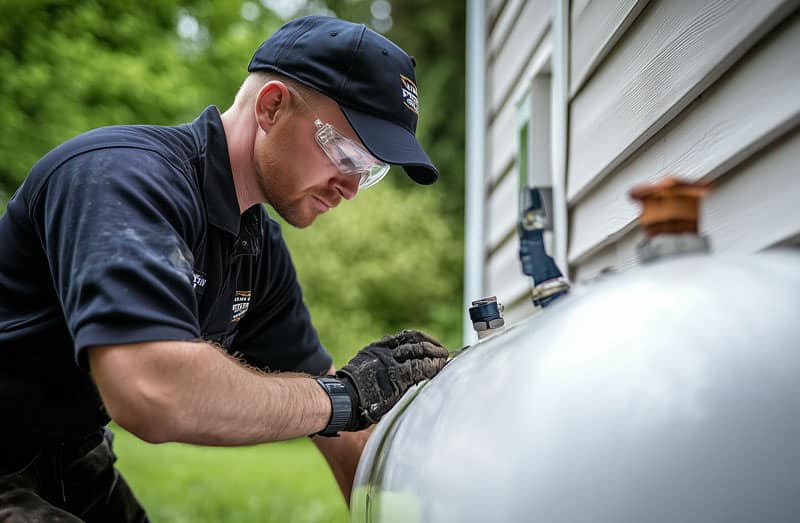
(393, 144)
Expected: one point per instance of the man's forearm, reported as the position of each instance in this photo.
(193, 393)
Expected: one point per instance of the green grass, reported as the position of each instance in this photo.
(281, 482)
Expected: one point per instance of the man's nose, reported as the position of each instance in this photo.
(347, 185)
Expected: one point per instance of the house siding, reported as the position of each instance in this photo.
(705, 90)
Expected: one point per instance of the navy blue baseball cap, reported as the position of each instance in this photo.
(370, 77)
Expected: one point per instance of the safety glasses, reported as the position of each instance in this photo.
(348, 156)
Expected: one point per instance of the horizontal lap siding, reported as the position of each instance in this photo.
(499, 31)
(596, 27)
(504, 277)
(753, 207)
(614, 257)
(756, 205)
(502, 138)
(502, 210)
(752, 104)
(495, 9)
(672, 53)
(506, 67)
(503, 125)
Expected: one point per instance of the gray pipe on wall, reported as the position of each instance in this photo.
(475, 158)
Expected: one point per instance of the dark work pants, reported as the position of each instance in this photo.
(65, 482)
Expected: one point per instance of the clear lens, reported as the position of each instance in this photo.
(372, 177)
(348, 156)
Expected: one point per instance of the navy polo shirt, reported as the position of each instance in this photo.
(130, 234)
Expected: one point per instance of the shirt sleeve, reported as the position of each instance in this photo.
(276, 333)
(114, 224)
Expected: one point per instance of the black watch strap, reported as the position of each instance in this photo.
(341, 405)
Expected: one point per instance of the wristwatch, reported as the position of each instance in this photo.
(341, 405)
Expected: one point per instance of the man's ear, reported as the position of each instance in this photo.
(272, 102)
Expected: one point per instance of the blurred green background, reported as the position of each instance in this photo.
(390, 259)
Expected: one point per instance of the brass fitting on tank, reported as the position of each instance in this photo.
(670, 217)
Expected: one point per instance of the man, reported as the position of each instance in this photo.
(132, 254)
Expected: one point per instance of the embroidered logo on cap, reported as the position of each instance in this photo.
(241, 302)
(410, 97)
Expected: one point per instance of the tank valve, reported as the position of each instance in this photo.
(487, 316)
(670, 217)
(547, 282)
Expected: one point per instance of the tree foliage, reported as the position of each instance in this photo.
(71, 66)
(390, 259)
(379, 264)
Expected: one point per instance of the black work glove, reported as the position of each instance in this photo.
(383, 371)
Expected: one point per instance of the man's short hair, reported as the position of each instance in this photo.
(256, 80)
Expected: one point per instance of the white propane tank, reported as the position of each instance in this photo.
(668, 393)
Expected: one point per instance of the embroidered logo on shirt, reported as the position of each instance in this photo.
(241, 302)
(198, 280)
(410, 97)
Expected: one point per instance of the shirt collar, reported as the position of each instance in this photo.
(222, 206)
